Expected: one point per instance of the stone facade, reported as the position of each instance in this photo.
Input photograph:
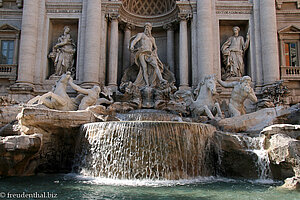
(188, 33)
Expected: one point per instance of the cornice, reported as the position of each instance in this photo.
(12, 13)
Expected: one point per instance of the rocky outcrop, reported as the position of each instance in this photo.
(53, 136)
(17, 153)
(256, 121)
(8, 116)
(52, 121)
(237, 158)
(291, 184)
(283, 145)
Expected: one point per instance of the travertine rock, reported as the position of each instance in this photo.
(256, 121)
(53, 120)
(291, 184)
(16, 154)
(8, 118)
(236, 159)
(283, 145)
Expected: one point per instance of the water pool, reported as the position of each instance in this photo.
(71, 186)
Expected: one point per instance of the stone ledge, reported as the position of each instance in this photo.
(52, 120)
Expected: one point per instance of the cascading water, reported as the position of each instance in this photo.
(256, 145)
(146, 150)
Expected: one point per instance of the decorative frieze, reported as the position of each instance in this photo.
(280, 2)
(19, 3)
(234, 9)
(64, 7)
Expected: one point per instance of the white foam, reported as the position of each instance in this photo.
(145, 182)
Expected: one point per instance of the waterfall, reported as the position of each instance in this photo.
(256, 145)
(145, 150)
(148, 115)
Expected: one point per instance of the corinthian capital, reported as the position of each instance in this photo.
(113, 16)
(184, 16)
(169, 26)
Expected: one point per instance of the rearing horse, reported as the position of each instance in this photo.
(57, 99)
(204, 103)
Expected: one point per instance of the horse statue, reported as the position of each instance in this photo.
(58, 98)
(204, 103)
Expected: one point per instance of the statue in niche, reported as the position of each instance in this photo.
(150, 66)
(241, 91)
(63, 53)
(58, 98)
(145, 84)
(233, 51)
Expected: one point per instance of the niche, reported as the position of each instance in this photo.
(226, 31)
(56, 30)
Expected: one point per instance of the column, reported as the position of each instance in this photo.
(126, 52)
(170, 46)
(28, 43)
(92, 42)
(205, 39)
(102, 70)
(183, 53)
(194, 52)
(113, 52)
(269, 43)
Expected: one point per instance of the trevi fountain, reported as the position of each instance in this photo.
(148, 137)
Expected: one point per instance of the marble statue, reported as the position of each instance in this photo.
(241, 91)
(63, 53)
(233, 51)
(87, 97)
(204, 103)
(58, 98)
(150, 66)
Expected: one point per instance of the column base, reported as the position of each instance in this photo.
(22, 87)
(89, 84)
(184, 87)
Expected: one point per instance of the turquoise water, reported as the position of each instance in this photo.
(70, 186)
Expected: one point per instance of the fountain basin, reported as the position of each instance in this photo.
(146, 150)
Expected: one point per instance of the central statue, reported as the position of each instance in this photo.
(150, 66)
